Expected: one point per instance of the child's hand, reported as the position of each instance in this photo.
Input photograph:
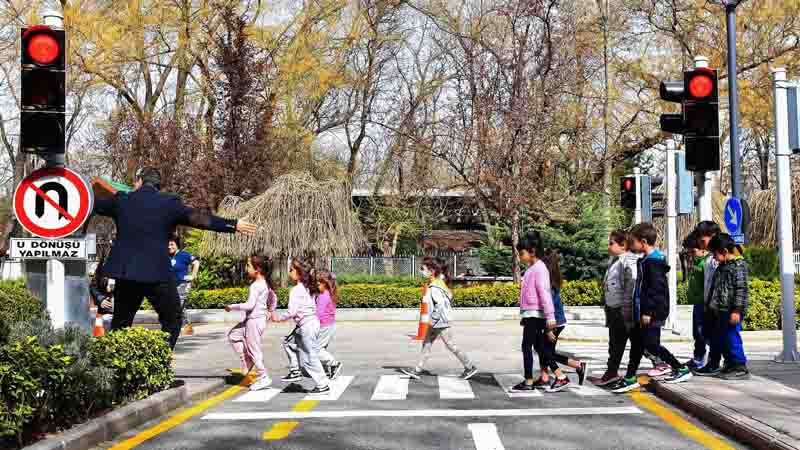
(735, 318)
(107, 305)
(552, 336)
(228, 308)
(646, 321)
(551, 324)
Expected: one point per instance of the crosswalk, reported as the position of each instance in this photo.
(397, 387)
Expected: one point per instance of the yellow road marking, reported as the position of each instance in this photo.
(281, 430)
(181, 417)
(678, 422)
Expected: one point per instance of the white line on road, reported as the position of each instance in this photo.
(588, 390)
(391, 387)
(262, 396)
(485, 436)
(454, 388)
(507, 381)
(337, 389)
(289, 415)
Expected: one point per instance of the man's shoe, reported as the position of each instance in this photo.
(738, 372)
(582, 370)
(625, 385)
(412, 373)
(469, 373)
(293, 375)
(659, 371)
(707, 371)
(608, 379)
(559, 384)
(523, 387)
(262, 383)
(679, 376)
(320, 390)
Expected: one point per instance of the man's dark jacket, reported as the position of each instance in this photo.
(145, 220)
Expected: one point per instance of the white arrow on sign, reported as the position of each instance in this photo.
(734, 219)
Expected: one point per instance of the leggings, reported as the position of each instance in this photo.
(532, 329)
(549, 357)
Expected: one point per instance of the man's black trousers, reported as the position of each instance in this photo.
(128, 297)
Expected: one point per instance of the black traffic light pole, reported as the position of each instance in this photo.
(733, 99)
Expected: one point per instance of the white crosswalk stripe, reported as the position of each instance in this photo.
(261, 396)
(391, 387)
(588, 390)
(451, 388)
(337, 386)
(485, 436)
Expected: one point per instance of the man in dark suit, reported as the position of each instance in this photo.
(145, 220)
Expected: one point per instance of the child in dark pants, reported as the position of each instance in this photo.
(695, 296)
(651, 305)
(726, 307)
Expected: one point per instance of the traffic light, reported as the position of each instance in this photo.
(699, 118)
(649, 198)
(43, 99)
(627, 192)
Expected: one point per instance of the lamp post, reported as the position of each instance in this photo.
(733, 98)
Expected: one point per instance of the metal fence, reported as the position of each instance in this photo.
(402, 266)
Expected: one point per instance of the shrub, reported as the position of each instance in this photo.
(582, 293)
(401, 281)
(762, 262)
(17, 304)
(141, 360)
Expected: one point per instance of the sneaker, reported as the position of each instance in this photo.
(608, 379)
(738, 372)
(659, 371)
(293, 375)
(413, 373)
(523, 387)
(335, 370)
(695, 364)
(679, 376)
(727, 368)
(540, 384)
(625, 385)
(262, 383)
(707, 371)
(320, 390)
(469, 373)
(559, 384)
(581, 371)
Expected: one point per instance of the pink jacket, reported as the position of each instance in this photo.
(260, 301)
(534, 295)
(326, 309)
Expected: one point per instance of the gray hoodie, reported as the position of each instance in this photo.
(620, 280)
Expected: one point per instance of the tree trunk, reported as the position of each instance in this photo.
(763, 161)
(514, 242)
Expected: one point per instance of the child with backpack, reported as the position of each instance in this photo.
(441, 297)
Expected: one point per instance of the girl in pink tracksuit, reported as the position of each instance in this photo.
(245, 337)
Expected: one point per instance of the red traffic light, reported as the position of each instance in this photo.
(701, 84)
(627, 184)
(41, 46)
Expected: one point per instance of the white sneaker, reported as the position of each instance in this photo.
(659, 371)
(262, 383)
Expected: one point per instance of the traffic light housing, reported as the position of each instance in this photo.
(699, 117)
(649, 197)
(627, 192)
(43, 85)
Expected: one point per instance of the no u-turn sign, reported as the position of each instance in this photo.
(53, 203)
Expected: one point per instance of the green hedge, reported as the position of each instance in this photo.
(17, 304)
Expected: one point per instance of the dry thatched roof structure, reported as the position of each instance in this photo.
(453, 240)
(297, 216)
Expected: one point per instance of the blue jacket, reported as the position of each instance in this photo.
(651, 295)
(561, 318)
(145, 219)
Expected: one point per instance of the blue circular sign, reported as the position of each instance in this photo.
(733, 216)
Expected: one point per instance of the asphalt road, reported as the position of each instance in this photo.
(374, 407)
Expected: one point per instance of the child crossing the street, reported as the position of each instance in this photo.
(303, 310)
(694, 294)
(618, 286)
(245, 337)
(326, 313)
(441, 297)
(727, 306)
(651, 307)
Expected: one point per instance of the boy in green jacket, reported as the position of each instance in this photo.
(696, 299)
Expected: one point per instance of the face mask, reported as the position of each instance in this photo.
(425, 273)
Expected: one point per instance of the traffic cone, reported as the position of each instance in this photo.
(424, 318)
(98, 330)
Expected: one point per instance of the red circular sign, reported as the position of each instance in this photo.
(71, 189)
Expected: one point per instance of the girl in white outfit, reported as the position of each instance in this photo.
(303, 310)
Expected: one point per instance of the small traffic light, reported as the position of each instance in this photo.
(699, 117)
(43, 99)
(627, 192)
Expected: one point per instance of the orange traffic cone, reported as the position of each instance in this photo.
(99, 330)
(424, 318)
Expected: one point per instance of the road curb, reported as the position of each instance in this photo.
(121, 420)
(731, 423)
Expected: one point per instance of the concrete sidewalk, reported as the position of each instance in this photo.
(761, 412)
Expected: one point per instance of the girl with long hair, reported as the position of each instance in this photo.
(326, 313)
